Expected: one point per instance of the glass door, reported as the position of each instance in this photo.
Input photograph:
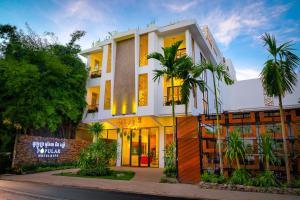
(126, 138)
(135, 147)
(144, 142)
(153, 147)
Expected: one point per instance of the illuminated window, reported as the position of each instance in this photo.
(167, 85)
(143, 50)
(205, 102)
(143, 89)
(95, 64)
(93, 99)
(107, 95)
(170, 40)
(108, 67)
(168, 136)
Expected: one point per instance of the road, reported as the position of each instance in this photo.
(12, 190)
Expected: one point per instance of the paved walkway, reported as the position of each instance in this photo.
(145, 187)
(144, 174)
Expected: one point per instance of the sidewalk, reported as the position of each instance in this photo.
(145, 187)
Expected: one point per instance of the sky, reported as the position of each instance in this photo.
(236, 25)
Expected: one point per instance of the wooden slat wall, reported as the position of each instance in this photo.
(188, 150)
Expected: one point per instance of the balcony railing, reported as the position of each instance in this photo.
(92, 108)
(168, 100)
(181, 52)
(96, 74)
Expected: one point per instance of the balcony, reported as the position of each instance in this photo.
(95, 74)
(168, 100)
(92, 108)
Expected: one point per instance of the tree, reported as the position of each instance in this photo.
(191, 81)
(219, 73)
(266, 147)
(170, 63)
(42, 83)
(235, 149)
(278, 77)
(96, 129)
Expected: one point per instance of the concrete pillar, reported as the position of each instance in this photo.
(119, 150)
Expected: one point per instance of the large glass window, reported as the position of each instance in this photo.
(107, 95)
(108, 67)
(168, 136)
(143, 90)
(143, 50)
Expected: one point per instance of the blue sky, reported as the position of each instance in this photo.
(236, 25)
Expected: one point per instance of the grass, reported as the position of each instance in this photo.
(115, 175)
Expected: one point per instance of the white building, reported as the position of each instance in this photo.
(135, 110)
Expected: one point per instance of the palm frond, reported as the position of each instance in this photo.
(158, 73)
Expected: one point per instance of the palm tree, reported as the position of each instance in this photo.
(96, 128)
(219, 72)
(278, 77)
(170, 63)
(235, 148)
(190, 82)
(266, 147)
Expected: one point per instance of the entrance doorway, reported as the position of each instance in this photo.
(140, 147)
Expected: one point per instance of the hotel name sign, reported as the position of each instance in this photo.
(48, 149)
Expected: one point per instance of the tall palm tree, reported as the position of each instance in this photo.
(96, 128)
(170, 63)
(278, 77)
(219, 73)
(190, 83)
(235, 148)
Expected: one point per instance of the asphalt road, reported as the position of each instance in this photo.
(11, 190)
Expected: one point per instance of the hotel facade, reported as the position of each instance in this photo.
(136, 111)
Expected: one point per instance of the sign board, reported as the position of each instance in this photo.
(47, 149)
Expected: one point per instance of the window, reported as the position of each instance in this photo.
(170, 40)
(202, 58)
(272, 114)
(168, 91)
(143, 90)
(240, 115)
(243, 129)
(108, 67)
(193, 50)
(168, 136)
(273, 128)
(107, 95)
(94, 98)
(95, 64)
(205, 102)
(143, 50)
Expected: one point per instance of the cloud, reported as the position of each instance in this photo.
(248, 19)
(180, 7)
(93, 17)
(246, 73)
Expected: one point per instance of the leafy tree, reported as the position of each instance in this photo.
(235, 149)
(42, 83)
(191, 81)
(170, 63)
(219, 73)
(278, 77)
(96, 129)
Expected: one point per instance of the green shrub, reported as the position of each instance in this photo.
(240, 176)
(44, 167)
(170, 169)
(296, 183)
(265, 179)
(94, 160)
(212, 178)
